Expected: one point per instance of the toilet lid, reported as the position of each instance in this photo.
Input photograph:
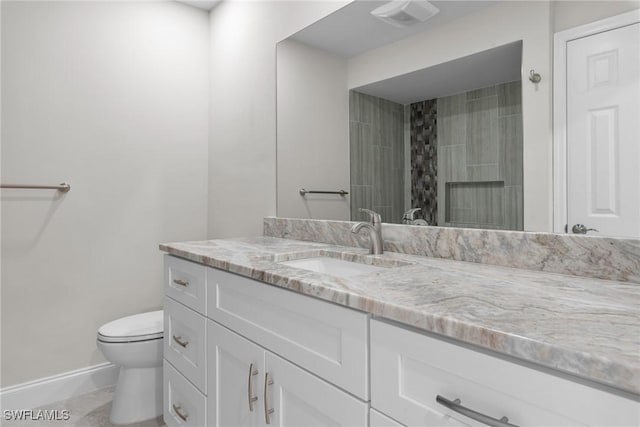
(139, 327)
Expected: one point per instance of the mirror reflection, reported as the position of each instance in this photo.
(441, 151)
(439, 123)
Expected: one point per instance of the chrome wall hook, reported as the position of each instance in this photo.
(534, 77)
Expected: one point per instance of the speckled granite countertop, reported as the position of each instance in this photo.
(585, 327)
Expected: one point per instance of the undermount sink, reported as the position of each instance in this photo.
(334, 266)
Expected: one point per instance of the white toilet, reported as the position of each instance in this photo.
(134, 343)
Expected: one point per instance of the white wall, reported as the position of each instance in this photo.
(569, 14)
(111, 97)
(493, 26)
(242, 125)
(312, 153)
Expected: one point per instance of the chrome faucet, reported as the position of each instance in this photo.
(410, 216)
(375, 230)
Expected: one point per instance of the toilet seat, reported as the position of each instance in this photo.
(139, 327)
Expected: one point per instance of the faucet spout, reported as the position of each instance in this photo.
(375, 235)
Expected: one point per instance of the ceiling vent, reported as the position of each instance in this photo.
(404, 13)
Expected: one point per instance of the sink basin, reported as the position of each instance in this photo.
(333, 266)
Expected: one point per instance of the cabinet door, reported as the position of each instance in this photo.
(235, 378)
(376, 419)
(294, 397)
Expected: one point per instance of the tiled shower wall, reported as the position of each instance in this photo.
(480, 158)
(465, 158)
(424, 160)
(376, 138)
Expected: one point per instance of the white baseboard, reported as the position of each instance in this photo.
(64, 386)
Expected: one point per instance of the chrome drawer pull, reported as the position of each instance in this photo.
(456, 406)
(252, 399)
(178, 410)
(267, 411)
(180, 341)
(181, 282)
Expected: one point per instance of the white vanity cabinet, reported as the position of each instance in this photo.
(409, 370)
(277, 357)
(251, 386)
(185, 346)
(326, 339)
(255, 354)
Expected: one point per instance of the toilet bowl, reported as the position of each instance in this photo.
(134, 343)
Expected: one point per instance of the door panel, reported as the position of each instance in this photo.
(228, 377)
(603, 132)
(298, 398)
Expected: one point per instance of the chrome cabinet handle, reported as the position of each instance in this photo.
(581, 229)
(180, 341)
(267, 411)
(178, 410)
(455, 405)
(252, 399)
(181, 282)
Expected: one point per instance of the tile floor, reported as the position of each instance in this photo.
(88, 410)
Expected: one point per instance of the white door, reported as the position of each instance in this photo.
(295, 398)
(603, 136)
(235, 379)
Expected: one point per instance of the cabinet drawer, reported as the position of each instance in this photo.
(185, 343)
(326, 339)
(184, 405)
(185, 281)
(410, 369)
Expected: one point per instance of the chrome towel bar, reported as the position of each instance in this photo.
(63, 187)
(341, 192)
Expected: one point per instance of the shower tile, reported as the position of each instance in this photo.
(361, 197)
(510, 98)
(482, 131)
(487, 172)
(452, 163)
(397, 196)
(385, 212)
(365, 107)
(510, 137)
(382, 165)
(361, 159)
(354, 106)
(451, 106)
(386, 128)
(424, 159)
(490, 205)
(514, 210)
(452, 120)
(398, 150)
(481, 93)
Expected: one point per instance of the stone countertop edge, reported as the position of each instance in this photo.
(577, 331)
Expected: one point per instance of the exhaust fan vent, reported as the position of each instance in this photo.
(404, 13)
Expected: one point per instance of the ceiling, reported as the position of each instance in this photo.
(201, 4)
(486, 68)
(352, 30)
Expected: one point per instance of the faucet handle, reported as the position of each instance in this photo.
(410, 215)
(374, 216)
